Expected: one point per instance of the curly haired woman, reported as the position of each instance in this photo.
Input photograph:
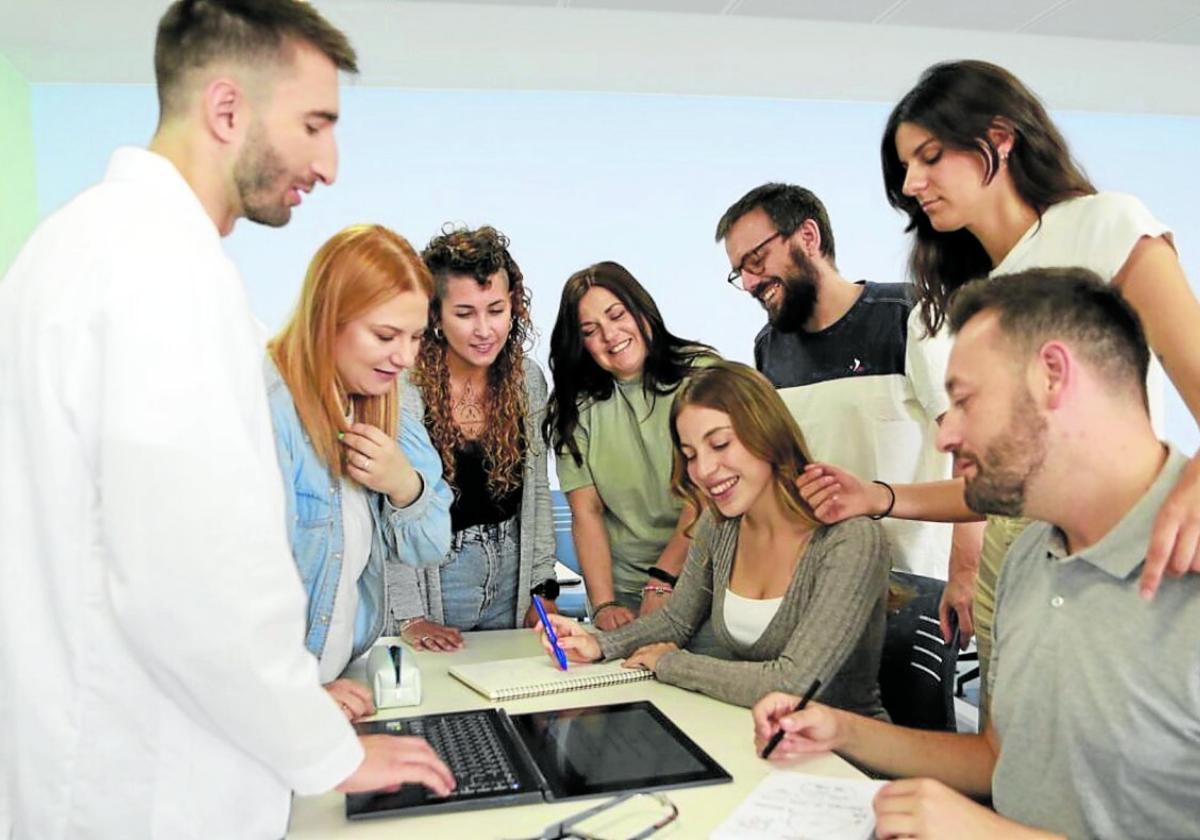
(482, 400)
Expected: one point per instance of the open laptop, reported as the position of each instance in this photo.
(500, 759)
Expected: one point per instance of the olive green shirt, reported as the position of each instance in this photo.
(625, 442)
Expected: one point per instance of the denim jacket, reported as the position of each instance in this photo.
(419, 533)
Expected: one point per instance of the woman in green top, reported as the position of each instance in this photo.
(615, 367)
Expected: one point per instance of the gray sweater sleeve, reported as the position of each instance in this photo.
(685, 611)
(823, 624)
(404, 592)
(543, 529)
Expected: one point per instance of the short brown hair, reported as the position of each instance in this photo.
(787, 206)
(194, 33)
(1073, 304)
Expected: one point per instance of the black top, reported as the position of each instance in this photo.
(473, 504)
(869, 340)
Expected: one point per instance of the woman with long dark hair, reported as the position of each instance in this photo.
(482, 398)
(989, 187)
(793, 600)
(616, 367)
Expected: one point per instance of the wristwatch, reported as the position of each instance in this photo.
(547, 590)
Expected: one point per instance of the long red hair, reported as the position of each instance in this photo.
(358, 269)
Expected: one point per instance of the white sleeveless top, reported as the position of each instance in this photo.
(747, 618)
(357, 530)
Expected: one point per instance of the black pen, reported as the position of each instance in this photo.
(778, 736)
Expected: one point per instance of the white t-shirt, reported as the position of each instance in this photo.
(746, 619)
(357, 530)
(1096, 232)
(867, 392)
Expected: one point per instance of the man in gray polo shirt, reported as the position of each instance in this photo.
(1096, 710)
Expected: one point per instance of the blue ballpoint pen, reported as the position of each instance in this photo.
(558, 652)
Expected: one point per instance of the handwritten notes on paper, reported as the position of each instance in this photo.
(794, 806)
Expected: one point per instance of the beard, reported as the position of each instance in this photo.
(1003, 473)
(797, 296)
(257, 174)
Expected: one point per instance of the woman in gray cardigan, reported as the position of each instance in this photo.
(792, 599)
(482, 400)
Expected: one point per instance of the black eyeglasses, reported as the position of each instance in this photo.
(753, 260)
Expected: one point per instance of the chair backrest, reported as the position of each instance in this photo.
(572, 602)
(564, 543)
(916, 672)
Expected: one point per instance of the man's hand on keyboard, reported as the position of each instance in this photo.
(392, 760)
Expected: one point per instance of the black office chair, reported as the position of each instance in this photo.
(916, 673)
(972, 674)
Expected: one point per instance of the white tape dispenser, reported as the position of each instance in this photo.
(394, 676)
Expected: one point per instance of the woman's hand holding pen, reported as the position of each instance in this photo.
(375, 461)
(578, 644)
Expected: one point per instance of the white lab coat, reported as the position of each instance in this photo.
(153, 676)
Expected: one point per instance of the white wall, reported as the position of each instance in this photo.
(575, 178)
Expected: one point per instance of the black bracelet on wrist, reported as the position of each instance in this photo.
(663, 575)
(596, 609)
(891, 504)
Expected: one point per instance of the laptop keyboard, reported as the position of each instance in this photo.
(469, 745)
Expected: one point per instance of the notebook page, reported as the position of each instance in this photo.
(793, 806)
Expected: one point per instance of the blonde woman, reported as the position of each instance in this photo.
(793, 600)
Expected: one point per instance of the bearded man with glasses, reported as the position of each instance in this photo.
(856, 371)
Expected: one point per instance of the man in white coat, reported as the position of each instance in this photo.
(153, 676)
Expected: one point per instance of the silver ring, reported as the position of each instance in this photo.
(424, 639)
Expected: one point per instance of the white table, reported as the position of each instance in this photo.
(722, 730)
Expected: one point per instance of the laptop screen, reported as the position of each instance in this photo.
(606, 749)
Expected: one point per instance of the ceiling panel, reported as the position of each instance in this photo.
(696, 7)
(1115, 19)
(970, 14)
(1187, 32)
(850, 11)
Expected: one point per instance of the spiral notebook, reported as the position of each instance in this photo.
(533, 676)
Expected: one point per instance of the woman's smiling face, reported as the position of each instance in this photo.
(610, 334)
(720, 466)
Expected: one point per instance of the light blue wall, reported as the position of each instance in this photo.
(575, 178)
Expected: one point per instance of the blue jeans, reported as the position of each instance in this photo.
(479, 586)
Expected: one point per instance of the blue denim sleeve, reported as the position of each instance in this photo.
(283, 454)
(420, 533)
